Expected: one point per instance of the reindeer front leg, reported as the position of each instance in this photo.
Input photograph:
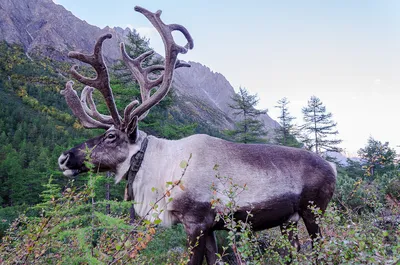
(196, 233)
(198, 220)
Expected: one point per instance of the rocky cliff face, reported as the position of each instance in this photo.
(208, 95)
(44, 27)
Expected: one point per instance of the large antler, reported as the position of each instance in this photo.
(88, 115)
(85, 108)
(80, 109)
(142, 74)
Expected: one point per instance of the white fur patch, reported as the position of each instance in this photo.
(68, 173)
(124, 166)
(333, 165)
(294, 218)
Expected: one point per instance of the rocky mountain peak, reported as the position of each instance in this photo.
(42, 26)
(202, 82)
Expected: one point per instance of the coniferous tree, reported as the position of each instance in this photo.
(378, 157)
(249, 129)
(319, 127)
(135, 46)
(12, 178)
(287, 132)
(354, 168)
(305, 140)
(51, 192)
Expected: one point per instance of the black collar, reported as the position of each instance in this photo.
(136, 162)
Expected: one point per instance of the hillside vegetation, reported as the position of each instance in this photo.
(37, 125)
(47, 218)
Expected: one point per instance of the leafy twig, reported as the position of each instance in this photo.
(166, 194)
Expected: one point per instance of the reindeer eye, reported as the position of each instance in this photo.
(111, 136)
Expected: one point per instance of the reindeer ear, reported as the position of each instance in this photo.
(132, 129)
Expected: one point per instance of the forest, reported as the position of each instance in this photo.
(47, 218)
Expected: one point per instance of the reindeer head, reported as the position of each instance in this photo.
(113, 150)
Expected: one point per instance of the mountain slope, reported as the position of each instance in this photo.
(36, 25)
(208, 94)
(42, 26)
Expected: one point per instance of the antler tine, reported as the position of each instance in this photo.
(87, 98)
(128, 111)
(166, 30)
(75, 104)
(158, 81)
(185, 33)
(84, 97)
(101, 82)
(136, 69)
(141, 74)
(171, 52)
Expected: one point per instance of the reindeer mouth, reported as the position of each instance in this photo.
(67, 171)
(74, 172)
(71, 172)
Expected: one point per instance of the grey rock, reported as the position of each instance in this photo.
(41, 26)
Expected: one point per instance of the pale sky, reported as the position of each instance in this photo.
(345, 52)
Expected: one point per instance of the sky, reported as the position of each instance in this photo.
(345, 52)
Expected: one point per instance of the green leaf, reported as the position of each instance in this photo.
(184, 164)
(168, 183)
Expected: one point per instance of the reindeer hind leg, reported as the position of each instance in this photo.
(211, 248)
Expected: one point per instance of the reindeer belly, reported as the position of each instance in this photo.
(269, 213)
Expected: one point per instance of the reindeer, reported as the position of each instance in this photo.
(281, 181)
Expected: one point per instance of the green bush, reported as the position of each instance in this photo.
(393, 189)
(72, 228)
(7, 216)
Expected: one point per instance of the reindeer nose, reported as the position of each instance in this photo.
(63, 158)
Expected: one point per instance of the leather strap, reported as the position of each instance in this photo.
(136, 162)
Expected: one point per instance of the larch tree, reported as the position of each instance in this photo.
(135, 46)
(249, 129)
(287, 132)
(377, 156)
(319, 127)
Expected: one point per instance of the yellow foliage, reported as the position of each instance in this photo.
(77, 125)
(60, 128)
(21, 92)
